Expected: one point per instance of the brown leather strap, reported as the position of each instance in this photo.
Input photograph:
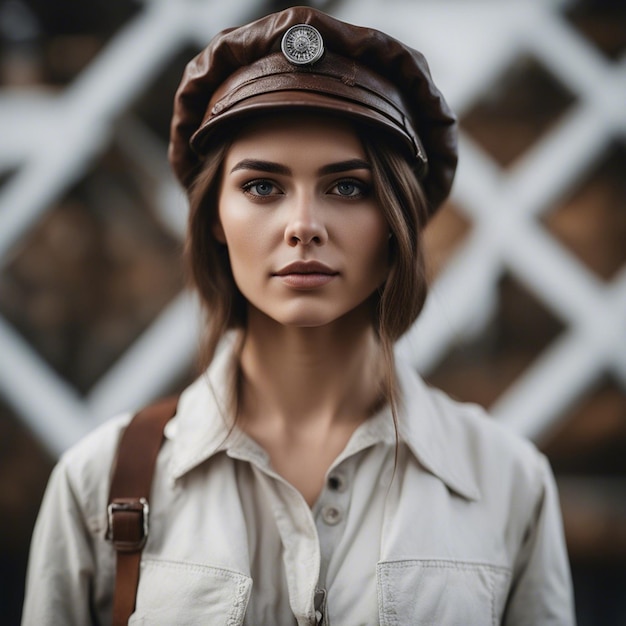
(128, 508)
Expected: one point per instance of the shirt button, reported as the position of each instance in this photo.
(337, 482)
(331, 515)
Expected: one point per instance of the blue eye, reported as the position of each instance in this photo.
(347, 189)
(350, 189)
(260, 188)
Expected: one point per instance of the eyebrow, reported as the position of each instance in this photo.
(344, 166)
(276, 168)
(262, 166)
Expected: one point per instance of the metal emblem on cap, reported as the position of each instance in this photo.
(302, 45)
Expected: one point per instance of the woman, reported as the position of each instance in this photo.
(309, 477)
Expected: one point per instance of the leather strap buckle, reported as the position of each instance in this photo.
(128, 523)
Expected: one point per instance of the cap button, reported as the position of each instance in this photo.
(302, 45)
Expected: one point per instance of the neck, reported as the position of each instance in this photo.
(296, 376)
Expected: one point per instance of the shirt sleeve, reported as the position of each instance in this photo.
(541, 592)
(61, 565)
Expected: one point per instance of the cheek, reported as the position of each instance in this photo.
(248, 236)
(237, 226)
(371, 240)
(240, 238)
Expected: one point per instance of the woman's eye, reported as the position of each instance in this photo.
(260, 188)
(350, 189)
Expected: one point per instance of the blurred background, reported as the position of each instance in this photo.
(527, 312)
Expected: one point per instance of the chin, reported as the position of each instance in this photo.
(304, 315)
(306, 321)
(314, 317)
(315, 313)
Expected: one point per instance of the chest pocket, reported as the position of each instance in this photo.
(434, 592)
(182, 593)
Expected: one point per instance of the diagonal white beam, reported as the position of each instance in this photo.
(50, 407)
(77, 125)
(155, 360)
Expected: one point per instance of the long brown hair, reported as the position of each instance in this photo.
(399, 300)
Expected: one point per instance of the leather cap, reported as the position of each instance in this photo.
(336, 67)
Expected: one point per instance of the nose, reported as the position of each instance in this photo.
(305, 225)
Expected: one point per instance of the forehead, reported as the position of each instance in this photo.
(299, 131)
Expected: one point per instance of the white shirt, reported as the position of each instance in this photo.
(465, 531)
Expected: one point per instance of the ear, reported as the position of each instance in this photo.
(218, 231)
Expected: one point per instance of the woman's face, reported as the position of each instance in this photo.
(306, 239)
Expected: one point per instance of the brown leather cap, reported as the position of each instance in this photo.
(347, 70)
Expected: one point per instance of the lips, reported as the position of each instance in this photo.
(305, 267)
(304, 275)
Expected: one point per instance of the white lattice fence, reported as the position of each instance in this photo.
(52, 138)
(469, 45)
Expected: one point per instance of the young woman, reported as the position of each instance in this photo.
(309, 477)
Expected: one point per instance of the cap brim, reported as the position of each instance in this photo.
(297, 101)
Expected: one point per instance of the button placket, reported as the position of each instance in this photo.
(337, 482)
(332, 515)
(332, 511)
(320, 606)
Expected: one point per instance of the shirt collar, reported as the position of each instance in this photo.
(201, 427)
(427, 422)
(433, 428)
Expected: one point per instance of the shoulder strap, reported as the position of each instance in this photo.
(128, 508)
